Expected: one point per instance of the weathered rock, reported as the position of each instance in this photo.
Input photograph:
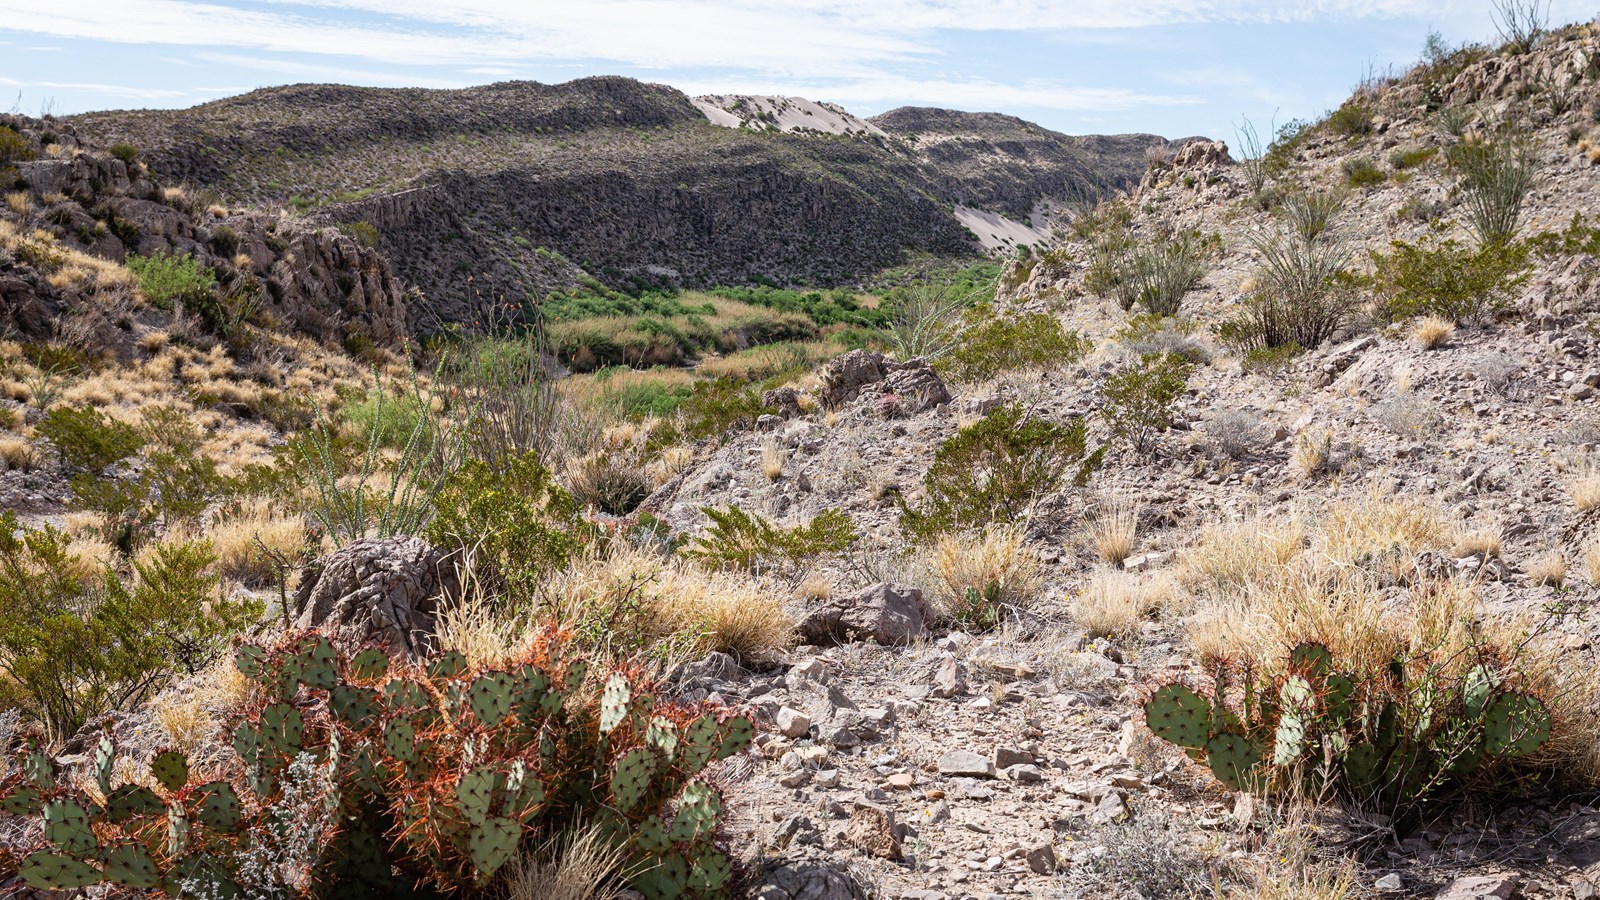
(786, 400)
(1041, 858)
(885, 613)
(917, 385)
(844, 377)
(781, 879)
(950, 680)
(1481, 887)
(965, 764)
(384, 591)
(872, 831)
(792, 723)
(1112, 808)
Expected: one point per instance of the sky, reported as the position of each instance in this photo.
(1171, 67)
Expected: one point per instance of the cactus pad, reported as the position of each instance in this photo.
(316, 661)
(663, 736)
(614, 702)
(1311, 658)
(47, 871)
(218, 807)
(1289, 741)
(449, 664)
(1177, 714)
(22, 801)
(651, 836)
(132, 800)
(493, 843)
(1233, 759)
(66, 825)
(105, 762)
(710, 874)
(177, 830)
(700, 740)
(475, 794)
(403, 693)
(370, 664)
(489, 698)
(1515, 724)
(400, 740)
(698, 811)
(355, 706)
(37, 768)
(170, 768)
(737, 733)
(630, 777)
(251, 661)
(128, 863)
(667, 881)
(282, 728)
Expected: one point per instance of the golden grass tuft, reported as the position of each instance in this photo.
(1584, 485)
(239, 534)
(1228, 556)
(995, 556)
(1313, 454)
(186, 722)
(19, 202)
(1113, 531)
(1114, 604)
(1549, 569)
(581, 867)
(1432, 332)
(1483, 541)
(17, 455)
(772, 460)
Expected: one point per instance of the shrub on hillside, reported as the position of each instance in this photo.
(993, 470)
(1362, 172)
(1155, 277)
(718, 406)
(172, 280)
(77, 641)
(1495, 180)
(1445, 278)
(87, 440)
(1137, 403)
(992, 344)
(744, 540)
(1353, 119)
(14, 147)
(1305, 296)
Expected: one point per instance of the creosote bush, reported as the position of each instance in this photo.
(1445, 279)
(174, 280)
(1137, 403)
(738, 539)
(993, 470)
(992, 344)
(87, 440)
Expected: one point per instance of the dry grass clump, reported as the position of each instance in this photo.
(994, 561)
(240, 533)
(186, 722)
(1114, 531)
(582, 867)
(1432, 332)
(16, 454)
(761, 363)
(1484, 541)
(772, 460)
(1584, 485)
(1290, 865)
(1548, 569)
(1381, 532)
(19, 202)
(63, 265)
(1114, 604)
(1228, 556)
(1313, 454)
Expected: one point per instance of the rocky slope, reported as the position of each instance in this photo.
(633, 182)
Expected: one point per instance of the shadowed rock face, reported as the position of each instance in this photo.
(629, 180)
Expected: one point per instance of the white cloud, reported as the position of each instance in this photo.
(890, 90)
(111, 90)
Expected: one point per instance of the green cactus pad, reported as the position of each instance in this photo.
(710, 874)
(132, 800)
(128, 863)
(170, 769)
(700, 740)
(105, 762)
(404, 693)
(1362, 768)
(217, 806)
(1311, 658)
(493, 843)
(1338, 699)
(56, 871)
(1478, 688)
(1233, 759)
(614, 703)
(737, 733)
(400, 740)
(317, 661)
(630, 777)
(283, 728)
(698, 810)
(531, 685)
(22, 801)
(1289, 741)
(490, 697)
(449, 664)
(177, 830)
(251, 661)
(370, 664)
(651, 836)
(662, 735)
(475, 794)
(669, 879)
(575, 674)
(66, 825)
(1177, 714)
(1515, 724)
(354, 705)
(36, 767)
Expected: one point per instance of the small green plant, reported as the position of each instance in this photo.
(1495, 180)
(1305, 295)
(352, 780)
(1402, 158)
(124, 151)
(928, 318)
(1577, 239)
(1270, 359)
(76, 642)
(992, 344)
(172, 280)
(744, 540)
(1137, 403)
(1361, 172)
(1157, 278)
(717, 407)
(1421, 731)
(993, 470)
(88, 440)
(1311, 213)
(14, 148)
(1445, 278)
(385, 419)
(1352, 120)
(363, 232)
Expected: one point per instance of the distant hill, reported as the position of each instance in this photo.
(510, 188)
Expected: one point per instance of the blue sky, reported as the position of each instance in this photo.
(1174, 67)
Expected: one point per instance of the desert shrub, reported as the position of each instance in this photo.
(1495, 180)
(1138, 402)
(1408, 416)
(512, 524)
(978, 576)
(928, 318)
(718, 406)
(744, 540)
(1577, 239)
(1157, 277)
(1310, 213)
(614, 482)
(1304, 298)
(385, 419)
(352, 779)
(1163, 334)
(1361, 172)
(992, 344)
(1353, 119)
(1236, 433)
(87, 440)
(1522, 23)
(14, 147)
(1455, 120)
(1428, 727)
(172, 280)
(993, 470)
(363, 232)
(1444, 278)
(173, 486)
(77, 641)
(124, 151)
(1253, 162)
(1401, 158)
(1150, 856)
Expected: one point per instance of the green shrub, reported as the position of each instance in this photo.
(363, 232)
(718, 406)
(76, 643)
(1362, 172)
(175, 486)
(387, 420)
(993, 470)
(1430, 729)
(1495, 180)
(87, 439)
(14, 148)
(1163, 334)
(1401, 159)
(1137, 403)
(1577, 239)
(1154, 277)
(1270, 359)
(744, 540)
(172, 280)
(513, 523)
(992, 344)
(225, 239)
(1305, 296)
(1444, 278)
(124, 151)
(928, 319)
(351, 781)
(1311, 213)
(1353, 119)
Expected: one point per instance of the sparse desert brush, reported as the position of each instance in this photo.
(154, 341)
(1583, 483)
(1549, 568)
(814, 589)
(17, 455)
(19, 202)
(669, 464)
(772, 460)
(184, 720)
(1229, 555)
(251, 538)
(629, 600)
(1114, 604)
(1113, 531)
(1381, 532)
(977, 576)
(612, 482)
(1482, 541)
(1432, 332)
(576, 866)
